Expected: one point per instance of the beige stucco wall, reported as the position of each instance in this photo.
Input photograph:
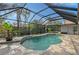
(69, 29)
(78, 28)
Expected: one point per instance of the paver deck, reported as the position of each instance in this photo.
(69, 46)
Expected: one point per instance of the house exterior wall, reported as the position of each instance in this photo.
(69, 28)
(78, 29)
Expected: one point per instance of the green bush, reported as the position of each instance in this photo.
(49, 30)
(7, 26)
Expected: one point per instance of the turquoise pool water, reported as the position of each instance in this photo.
(41, 42)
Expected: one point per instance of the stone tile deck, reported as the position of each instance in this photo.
(69, 46)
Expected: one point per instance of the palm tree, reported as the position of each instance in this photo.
(21, 13)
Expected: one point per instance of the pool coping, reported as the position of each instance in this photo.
(19, 39)
(29, 36)
(37, 36)
(47, 51)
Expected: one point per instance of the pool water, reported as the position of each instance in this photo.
(41, 42)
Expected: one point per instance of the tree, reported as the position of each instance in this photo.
(57, 25)
(1, 29)
(49, 30)
(36, 27)
(21, 13)
(8, 30)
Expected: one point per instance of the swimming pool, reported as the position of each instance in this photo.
(41, 42)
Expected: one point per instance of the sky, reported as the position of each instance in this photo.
(39, 6)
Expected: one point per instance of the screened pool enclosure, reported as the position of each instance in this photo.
(36, 18)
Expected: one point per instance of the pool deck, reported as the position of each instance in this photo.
(69, 46)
